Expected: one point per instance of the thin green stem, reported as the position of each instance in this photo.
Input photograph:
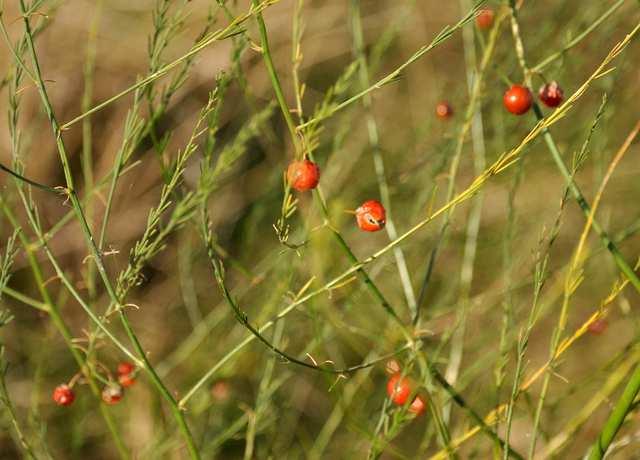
(26, 180)
(607, 242)
(87, 129)
(378, 161)
(578, 38)
(220, 34)
(52, 309)
(617, 416)
(442, 36)
(275, 82)
(273, 75)
(97, 256)
(586, 208)
(25, 299)
(459, 400)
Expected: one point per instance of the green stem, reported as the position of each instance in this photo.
(578, 38)
(615, 420)
(624, 267)
(97, 256)
(20, 297)
(54, 312)
(459, 400)
(218, 35)
(607, 242)
(275, 82)
(378, 161)
(273, 75)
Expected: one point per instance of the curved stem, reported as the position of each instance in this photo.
(54, 312)
(97, 256)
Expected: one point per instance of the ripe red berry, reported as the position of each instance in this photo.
(598, 326)
(371, 216)
(444, 110)
(418, 406)
(551, 94)
(303, 175)
(484, 19)
(125, 368)
(126, 380)
(517, 99)
(112, 394)
(126, 374)
(63, 395)
(399, 389)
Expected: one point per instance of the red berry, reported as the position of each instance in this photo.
(126, 374)
(517, 99)
(220, 391)
(63, 395)
(371, 216)
(126, 380)
(598, 326)
(551, 94)
(484, 19)
(112, 394)
(125, 368)
(303, 175)
(444, 110)
(418, 406)
(399, 389)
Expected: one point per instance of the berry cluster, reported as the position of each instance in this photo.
(517, 99)
(400, 388)
(113, 392)
(304, 176)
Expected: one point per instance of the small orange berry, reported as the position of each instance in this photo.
(63, 395)
(399, 389)
(484, 19)
(126, 380)
(126, 368)
(371, 216)
(126, 374)
(444, 110)
(303, 175)
(517, 99)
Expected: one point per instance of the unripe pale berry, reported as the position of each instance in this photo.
(418, 406)
(371, 216)
(303, 175)
(551, 94)
(112, 394)
(484, 19)
(444, 110)
(392, 367)
(63, 395)
(517, 99)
